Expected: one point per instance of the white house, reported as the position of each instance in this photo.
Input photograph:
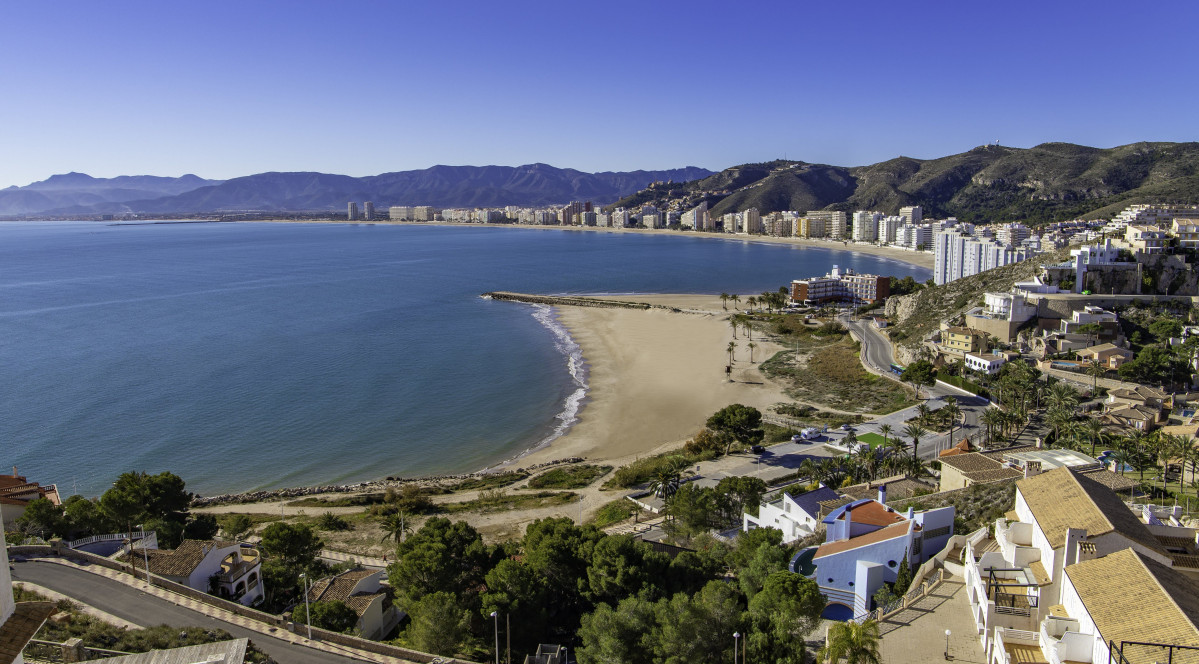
(796, 515)
(985, 364)
(227, 568)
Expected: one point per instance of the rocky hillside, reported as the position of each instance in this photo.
(913, 317)
(1048, 182)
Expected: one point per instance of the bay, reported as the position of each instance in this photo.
(260, 355)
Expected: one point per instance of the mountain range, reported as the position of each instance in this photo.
(1052, 181)
(439, 186)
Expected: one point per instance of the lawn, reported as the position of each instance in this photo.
(873, 438)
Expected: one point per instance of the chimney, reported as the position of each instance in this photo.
(1032, 468)
(1086, 551)
(882, 493)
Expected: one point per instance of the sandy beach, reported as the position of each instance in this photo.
(919, 258)
(656, 376)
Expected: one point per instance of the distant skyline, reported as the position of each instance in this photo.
(224, 89)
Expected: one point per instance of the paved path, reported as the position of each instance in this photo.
(129, 599)
(86, 609)
(917, 634)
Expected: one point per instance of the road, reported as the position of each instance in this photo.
(877, 357)
(133, 605)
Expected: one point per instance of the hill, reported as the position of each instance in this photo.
(991, 183)
(440, 186)
(79, 189)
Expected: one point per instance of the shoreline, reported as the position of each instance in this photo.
(640, 398)
(921, 259)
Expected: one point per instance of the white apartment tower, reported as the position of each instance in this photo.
(751, 221)
(865, 226)
(368, 209)
(887, 226)
(957, 255)
(352, 211)
(697, 217)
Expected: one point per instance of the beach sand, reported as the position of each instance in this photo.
(919, 258)
(656, 376)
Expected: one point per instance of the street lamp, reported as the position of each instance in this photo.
(496, 615)
(736, 635)
(307, 612)
(947, 633)
(145, 554)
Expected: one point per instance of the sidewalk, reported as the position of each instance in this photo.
(227, 616)
(342, 557)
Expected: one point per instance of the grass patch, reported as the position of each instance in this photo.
(572, 477)
(614, 512)
(491, 481)
(873, 438)
(256, 519)
(975, 507)
(832, 375)
(498, 500)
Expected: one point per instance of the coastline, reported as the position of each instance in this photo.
(922, 259)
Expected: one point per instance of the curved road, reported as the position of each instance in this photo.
(877, 357)
(133, 605)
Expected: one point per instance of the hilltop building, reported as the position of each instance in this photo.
(840, 286)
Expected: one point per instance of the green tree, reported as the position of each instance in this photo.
(396, 526)
(621, 566)
(514, 589)
(731, 348)
(438, 625)
(903, 577)
(619, 635)
(43, 518)
(1164, 328)
(201, 527)
(334, 616)
(295, 545)
(440, 557)
(695, 629)
(915, 432)
(724, 301)
(920, 372)
(854, 642)
(1092, 330)
(784, 615)
(744, 493)
(742, 423)
(766, 561)
(84, 517)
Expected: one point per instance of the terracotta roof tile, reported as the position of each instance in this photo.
(971, 462)
(1062, 498)
(1133, 598)
(880, 535)
(872, 513)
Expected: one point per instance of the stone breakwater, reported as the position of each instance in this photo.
(267, 495)
(572, 301)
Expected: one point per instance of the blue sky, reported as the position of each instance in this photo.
(223, 89)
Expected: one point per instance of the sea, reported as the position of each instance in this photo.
(245, 356)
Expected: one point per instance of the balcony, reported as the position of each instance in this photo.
(1063, 643)
(1017, 646)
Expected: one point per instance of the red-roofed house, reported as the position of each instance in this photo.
(865, 544)
(16, 492)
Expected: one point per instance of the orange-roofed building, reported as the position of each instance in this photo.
(963, 447)
(16, 492)
(865, 545)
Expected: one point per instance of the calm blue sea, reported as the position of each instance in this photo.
(244, 356)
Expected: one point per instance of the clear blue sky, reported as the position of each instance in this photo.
(223, 89)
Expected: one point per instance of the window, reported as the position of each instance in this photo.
(830, 579)
(892, 564)
(937, 532)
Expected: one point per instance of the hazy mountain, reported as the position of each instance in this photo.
(989, 183)
(79, 189)
(440, 186)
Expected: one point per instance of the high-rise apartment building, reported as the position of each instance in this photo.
(957, 255)
(399, 212)
(698, 218)
(886, 229)
(352, 211)
(865, 226)
(835, 222)
(368, 211)
(810, 227)
(913, 214)
(424, 213)
(751, 222)
(1013, 234)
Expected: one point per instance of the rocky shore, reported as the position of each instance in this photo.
(360, 487)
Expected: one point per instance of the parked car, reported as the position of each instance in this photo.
(758, 449)
(846, 427)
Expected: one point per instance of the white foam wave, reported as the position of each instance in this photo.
(575, 365)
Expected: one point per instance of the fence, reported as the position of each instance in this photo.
(71, 650)
(909, 598)
(112, 537)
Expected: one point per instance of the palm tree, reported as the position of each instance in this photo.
(1095, 370)
(395, 526)
(751, 302)
(922, 411)
(898, 447)
(749, 329)
(807, 468)
(751, 346)
(886, 430)
(1095, 433)
(915, 432)
(952, 410)
(854, 642)
(992, 418)
(733, 321)
(731, 348)
(1123, 459)
(724, 301)
(736, 299)
(666, 484)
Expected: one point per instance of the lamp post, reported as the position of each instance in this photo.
(496, 615)
(145, 554)
(307, 612)
(947, 633)
(736, 636)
